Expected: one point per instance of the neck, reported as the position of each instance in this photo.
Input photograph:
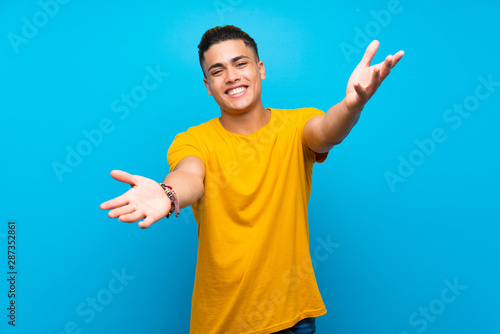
(245, 123)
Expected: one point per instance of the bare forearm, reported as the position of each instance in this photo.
(187, 188)
(187, 180)
(337, 123)
(323, 132)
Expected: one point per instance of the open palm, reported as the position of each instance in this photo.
(145, 200)
(365, 79)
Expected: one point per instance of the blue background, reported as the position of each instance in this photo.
(397, 243)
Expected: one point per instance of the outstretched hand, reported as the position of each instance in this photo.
(366, 79)
(146, 200)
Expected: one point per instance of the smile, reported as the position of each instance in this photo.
(238, 91)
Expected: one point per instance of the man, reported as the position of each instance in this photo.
(247, 176)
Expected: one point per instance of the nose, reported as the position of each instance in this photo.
(232, 75)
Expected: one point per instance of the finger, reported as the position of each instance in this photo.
(361, 91)
(375, 79)
(122, 176)
(385, 67)
(397, 57)
(132, 217)
(146, 222)
(115, 202)
(369, 53)
(124, 210)
(388, 61)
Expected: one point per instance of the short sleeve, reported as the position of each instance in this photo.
(185, 144)
(306, 115)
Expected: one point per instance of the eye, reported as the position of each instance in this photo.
(216, 72)
(241, 64)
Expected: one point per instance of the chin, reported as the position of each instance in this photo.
(233, 111)
(236, 109)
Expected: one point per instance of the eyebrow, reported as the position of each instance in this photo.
(235, 59)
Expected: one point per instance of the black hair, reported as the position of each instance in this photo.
(222, 34)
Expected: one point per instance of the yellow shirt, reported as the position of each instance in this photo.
(254, 272)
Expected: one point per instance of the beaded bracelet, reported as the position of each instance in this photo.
(174, 207)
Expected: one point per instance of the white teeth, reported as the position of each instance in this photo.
(236, 90)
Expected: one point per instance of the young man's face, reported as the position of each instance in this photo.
(233, 76)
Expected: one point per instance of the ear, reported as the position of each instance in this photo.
(207, 86)
(262, 70)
